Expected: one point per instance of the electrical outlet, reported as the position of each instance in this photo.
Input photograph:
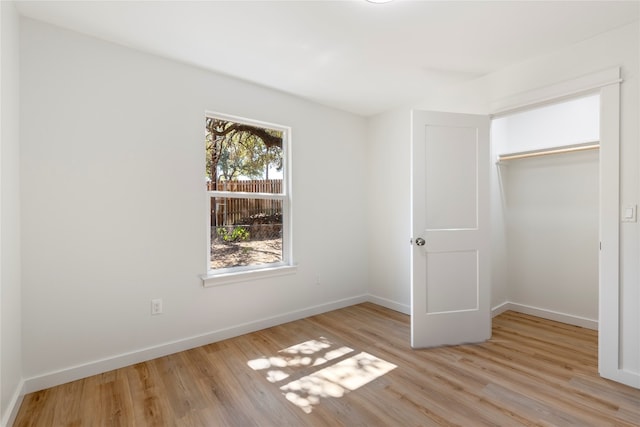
(156, 306)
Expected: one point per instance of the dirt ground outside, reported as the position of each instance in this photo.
(250, 252)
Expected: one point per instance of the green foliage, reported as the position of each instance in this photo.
(238, 234)
(235, 150)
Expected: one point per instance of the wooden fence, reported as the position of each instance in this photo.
(226, 211)
(248, 186)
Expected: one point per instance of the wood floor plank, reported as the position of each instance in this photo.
(354, 367)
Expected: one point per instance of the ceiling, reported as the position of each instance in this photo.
(353, 55)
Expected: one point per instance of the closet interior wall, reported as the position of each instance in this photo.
(546, 223)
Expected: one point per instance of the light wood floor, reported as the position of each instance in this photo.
(532, 372)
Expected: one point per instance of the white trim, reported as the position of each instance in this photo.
(245, 121)
(625, 377)
(544, 313)
(552, 94)
(609, 289)
(14, 406)
(500, 308)
(73, 373)
(219, 279)
(390, 304)
(77, 372)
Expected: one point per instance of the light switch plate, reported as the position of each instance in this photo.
(629, 213)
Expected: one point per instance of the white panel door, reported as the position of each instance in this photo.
(450, 295)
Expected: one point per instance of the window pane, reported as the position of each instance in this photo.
(242, 157)
(245, 232)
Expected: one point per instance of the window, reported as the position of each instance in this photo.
(248, 190)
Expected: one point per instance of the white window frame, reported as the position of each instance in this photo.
(224, 276)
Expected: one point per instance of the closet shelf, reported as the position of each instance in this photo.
(594, 145)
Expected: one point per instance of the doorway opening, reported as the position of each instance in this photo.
(546, 204)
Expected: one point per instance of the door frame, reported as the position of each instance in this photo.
(607, 84)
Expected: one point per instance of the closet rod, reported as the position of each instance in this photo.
(547, 152)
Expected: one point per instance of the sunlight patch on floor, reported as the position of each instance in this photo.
(332, 381)
(336, 380)
(308, 353)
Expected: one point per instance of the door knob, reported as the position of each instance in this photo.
(420, 241)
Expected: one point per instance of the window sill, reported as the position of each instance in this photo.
(212, 279)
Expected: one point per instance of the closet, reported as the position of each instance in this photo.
(546, 210)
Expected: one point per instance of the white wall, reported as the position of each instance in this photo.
(10, 306)
(551, 209)
(388, 214)
(572, 121)
(114, 214)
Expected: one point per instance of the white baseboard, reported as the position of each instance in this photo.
(622, 376)
(546, 314)
(499, 309)
(392, 305)
(73, 373)
(14, 406)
